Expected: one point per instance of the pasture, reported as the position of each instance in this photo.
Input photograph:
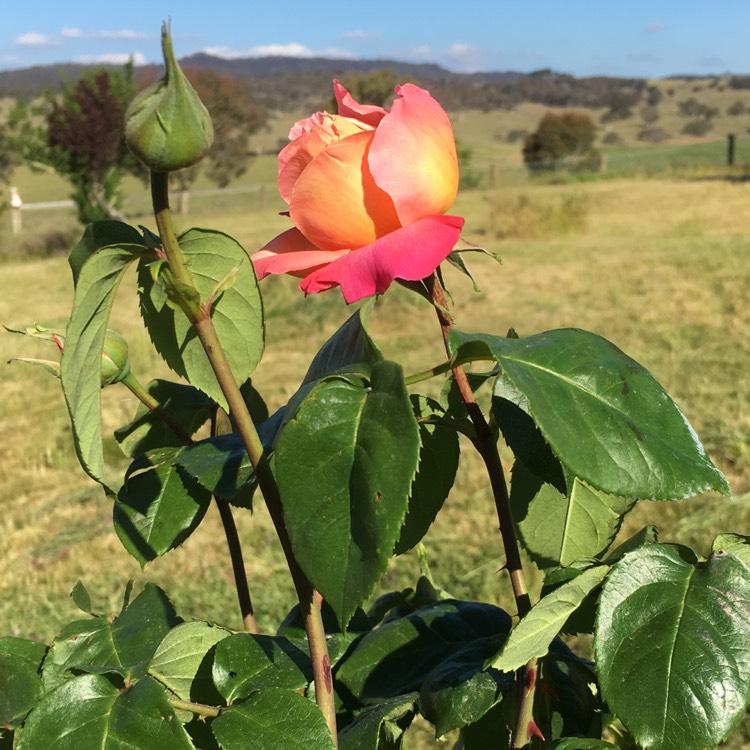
(660, 265)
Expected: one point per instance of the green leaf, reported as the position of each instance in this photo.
(180, 660)
(237, 313)
(398, 656)
(20, 683)
(679, 631)
(358, 448)
(81, 598)
(101, 234)
(89, 713)
(158, 506)
(221, 464)
(124, 645)
(350, 349)
(379, 727)
(81, 363)
(523, 436)
(736, 544)
(350, 345)
(245, 663)
(582, 743)
(647, 535)
(539, 627)
(557, 530)
(575, 707)
(492, 731)
(605, 417)
(275, 719)
(186, 406)
(459, 691)
(438, 462)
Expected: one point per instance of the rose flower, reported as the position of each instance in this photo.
(367, 191)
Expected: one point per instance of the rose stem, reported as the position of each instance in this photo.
(204, 328)
(225, 511)
(487, 447)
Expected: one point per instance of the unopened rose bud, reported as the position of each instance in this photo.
(115, 360)
(166, 125)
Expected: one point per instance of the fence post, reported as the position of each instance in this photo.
(730, 150)
(15, 211)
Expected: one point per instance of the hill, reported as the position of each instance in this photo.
(287, 82)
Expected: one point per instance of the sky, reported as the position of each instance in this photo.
(640, 38)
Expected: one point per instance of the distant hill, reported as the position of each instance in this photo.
(283, 83)
(32, 81)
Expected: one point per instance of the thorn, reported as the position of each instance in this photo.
(534, 731)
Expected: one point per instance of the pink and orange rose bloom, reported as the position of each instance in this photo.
(368, 190)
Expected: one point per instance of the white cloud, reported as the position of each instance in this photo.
(360, 34)
(74, 32)
(281, 50)
(120, 34)
(33, 39)
(465, 58)
(276, 50)
(111, 58)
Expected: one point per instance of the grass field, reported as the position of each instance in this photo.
(660, 266)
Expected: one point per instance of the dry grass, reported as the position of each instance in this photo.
(661, 267)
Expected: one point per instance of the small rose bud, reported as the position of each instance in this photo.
(166, 125)
(115, 360)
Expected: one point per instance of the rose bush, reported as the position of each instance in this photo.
(367, 191)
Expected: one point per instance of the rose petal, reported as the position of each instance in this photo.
(348, 107)
(336, 203)
(311, 137)
(409, 253)
(413, 155)
(291, 252)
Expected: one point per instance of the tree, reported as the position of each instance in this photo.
(376, 87)
(81, 139)
(619, 104)
(694, 109)
(562, 142)
(649, 115)
(737, 108)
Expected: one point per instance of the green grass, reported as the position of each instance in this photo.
(674, 157)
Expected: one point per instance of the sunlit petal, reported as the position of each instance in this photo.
(291, 252)
(336, 203)
(409, 253)
(413, 156)
(348, 107)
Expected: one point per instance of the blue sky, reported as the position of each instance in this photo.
(582, 37)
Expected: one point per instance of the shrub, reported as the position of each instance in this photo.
(652, 135)
(562, 142)
(612, 139)
(736, 109)
(698, 127)
(516, 135)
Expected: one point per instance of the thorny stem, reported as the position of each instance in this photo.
(309, 599)
(235, 554)
(225, 511)
(486, 445)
